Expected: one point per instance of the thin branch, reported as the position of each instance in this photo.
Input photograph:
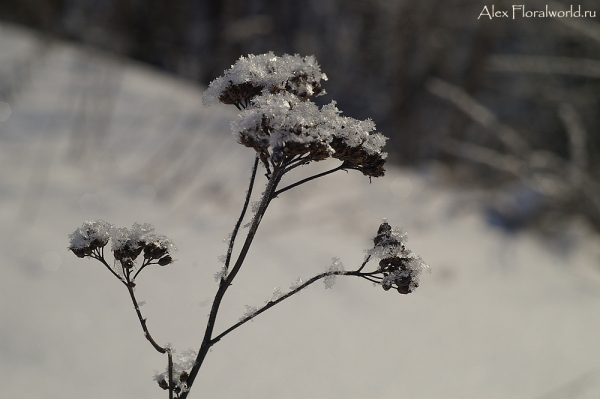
(243, 213)
(143, 321)
(100, 257)
(270, 304)
(170, 367)
(588, 68)
(479, 113)
(294, 163)
(577, 135)
(371, 279)
(225, 282)
(584, 26)
(277, 193)
(362, 266)
(494, 159)
(144, 264)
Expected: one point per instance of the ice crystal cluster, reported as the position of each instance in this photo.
(89, 237)
(266, 73)
(401, 268)
(181, 369)
(126, 244)
(279, 121)
(336, 266)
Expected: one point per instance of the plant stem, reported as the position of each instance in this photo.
(270, 304)
(226, 281)
(243, 213)
(170, 356)
(143, 321)
(308, 179)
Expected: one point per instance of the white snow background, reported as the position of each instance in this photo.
(87, 136)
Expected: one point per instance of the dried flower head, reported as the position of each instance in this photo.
(90, 236)
(281, 126)
(255, 74)
(128, 244)
(400, 267)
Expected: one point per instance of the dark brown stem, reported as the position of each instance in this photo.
(100, 257)
(341, 167)
(143, 321)
(226, 281)
(243, 213)
(156, 346)
(270, 304)
(170, 367)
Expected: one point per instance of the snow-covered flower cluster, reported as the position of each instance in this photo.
(181, 369)
(281, 124)
(266, 73)
(89, 237)
(127, 244)
(336, 266)
(401, 268)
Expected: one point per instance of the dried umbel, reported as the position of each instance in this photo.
(400, 267)
(266, 73)
(90, 237)
(127, 244)
(280, 122)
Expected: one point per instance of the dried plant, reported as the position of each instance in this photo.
(286, 129)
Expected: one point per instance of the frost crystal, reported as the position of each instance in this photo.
(401, 268)
(123, 238)
(250, 312)
(336, 266)
(296, 283)
(277, 293)
(221, 274)
(252, 75)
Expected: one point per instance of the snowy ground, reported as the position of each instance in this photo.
(89, 136)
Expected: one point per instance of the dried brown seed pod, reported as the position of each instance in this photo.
(167, 260)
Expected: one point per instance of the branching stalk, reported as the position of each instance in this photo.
(243, 213)
(270, 304)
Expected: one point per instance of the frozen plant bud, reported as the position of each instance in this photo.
(129, 243)
(157, 246)
(90, 236)
(167, 260)
(163, 384)
(400, 267)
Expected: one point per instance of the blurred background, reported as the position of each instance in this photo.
(501, 103)
(494, 172)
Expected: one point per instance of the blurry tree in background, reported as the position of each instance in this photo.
(441, 82)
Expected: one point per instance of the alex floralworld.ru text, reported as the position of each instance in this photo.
(519, 11)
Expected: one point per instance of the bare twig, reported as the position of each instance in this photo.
(577, 135)
(243, 213)
(479, 113)
(341, 167)
(226, 281)
(584, 26)
(545, 65)
(272, 303)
